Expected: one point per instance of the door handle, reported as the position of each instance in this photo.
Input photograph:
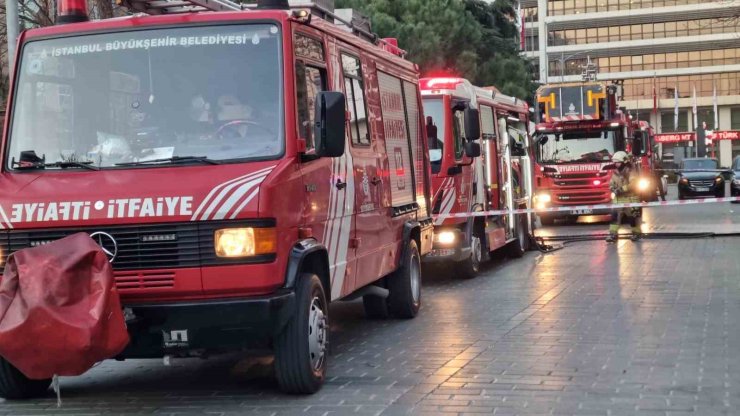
(340, 184)
(375, 180)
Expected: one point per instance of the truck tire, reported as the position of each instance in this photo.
(14, 385)
(375, 307)
(300, 349)
(470, 267)
(404, 285)
(519, 246)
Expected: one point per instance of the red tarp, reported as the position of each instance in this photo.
(59, 309)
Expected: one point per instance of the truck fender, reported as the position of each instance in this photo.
(470, 224)
(411, 229)
(298, 254)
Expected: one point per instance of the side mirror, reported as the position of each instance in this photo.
(472, 124)
(330, 128)
(516, 148)
(472, 149)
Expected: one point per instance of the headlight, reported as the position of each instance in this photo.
(544, 198)
(735, 181)
(445, 237)
(243, 242)
(643, 184)
(684, 181)
(718, 179)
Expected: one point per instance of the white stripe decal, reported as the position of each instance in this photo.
(346, 227)
(235, 197)
(336, 218)
(218, 187)
(450, 202)
(245, 203)
(5, 218)
(226, 191)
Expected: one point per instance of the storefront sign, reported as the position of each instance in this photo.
(725, 135)
(674, 137)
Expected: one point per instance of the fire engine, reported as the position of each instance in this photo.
(652, 184)
(242, 169)
(479, 152)
(579, 128)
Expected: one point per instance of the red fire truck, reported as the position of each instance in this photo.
(579, 129)
(652, 181)
(480, 160)
(241, 170)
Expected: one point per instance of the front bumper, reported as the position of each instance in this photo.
(575, 212)
(444, 253)
(691, 191)
(157, 329)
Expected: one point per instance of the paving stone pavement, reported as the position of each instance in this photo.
(646, 328)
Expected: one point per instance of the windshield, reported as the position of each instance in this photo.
(435, 121)
(211, 92)
(575, 147)
(700, 164)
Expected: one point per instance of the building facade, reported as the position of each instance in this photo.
(661, 51)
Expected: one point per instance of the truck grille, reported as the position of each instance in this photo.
(144, 246)
(702, 182)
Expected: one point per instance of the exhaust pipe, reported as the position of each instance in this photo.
(72, 11)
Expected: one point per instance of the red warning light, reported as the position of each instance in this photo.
(443, 83)
(72, 11)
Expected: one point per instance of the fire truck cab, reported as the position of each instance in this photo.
(579, 128)
(241, 169)
(479, 152)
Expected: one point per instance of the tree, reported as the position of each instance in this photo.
(40, 13)
(467, 38)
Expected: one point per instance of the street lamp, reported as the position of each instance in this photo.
(564, 58)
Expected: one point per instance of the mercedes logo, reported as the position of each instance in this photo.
(107, 243)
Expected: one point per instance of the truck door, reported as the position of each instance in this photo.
(371, 236)
(328, 182)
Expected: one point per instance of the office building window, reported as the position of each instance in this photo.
(667, 124)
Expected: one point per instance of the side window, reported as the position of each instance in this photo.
(310, 79)
(353, 87)
(458, 129)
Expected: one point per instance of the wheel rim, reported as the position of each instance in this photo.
(415, 279)
(477, 252)
(316, 334)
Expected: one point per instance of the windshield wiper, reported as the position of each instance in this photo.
(61, 165)
(65, 165)
(173, 160)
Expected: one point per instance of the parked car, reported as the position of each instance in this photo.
(700, 177)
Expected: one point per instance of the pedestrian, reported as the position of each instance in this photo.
(622, 184)
(658, 170)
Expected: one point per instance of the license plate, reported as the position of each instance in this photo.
(441, 252)
(702, 189)
(581, 211)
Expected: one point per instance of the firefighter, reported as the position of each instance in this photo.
(624, 179)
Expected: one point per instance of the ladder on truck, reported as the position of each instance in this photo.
(159, 7)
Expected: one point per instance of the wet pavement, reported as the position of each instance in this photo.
(647, 328)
